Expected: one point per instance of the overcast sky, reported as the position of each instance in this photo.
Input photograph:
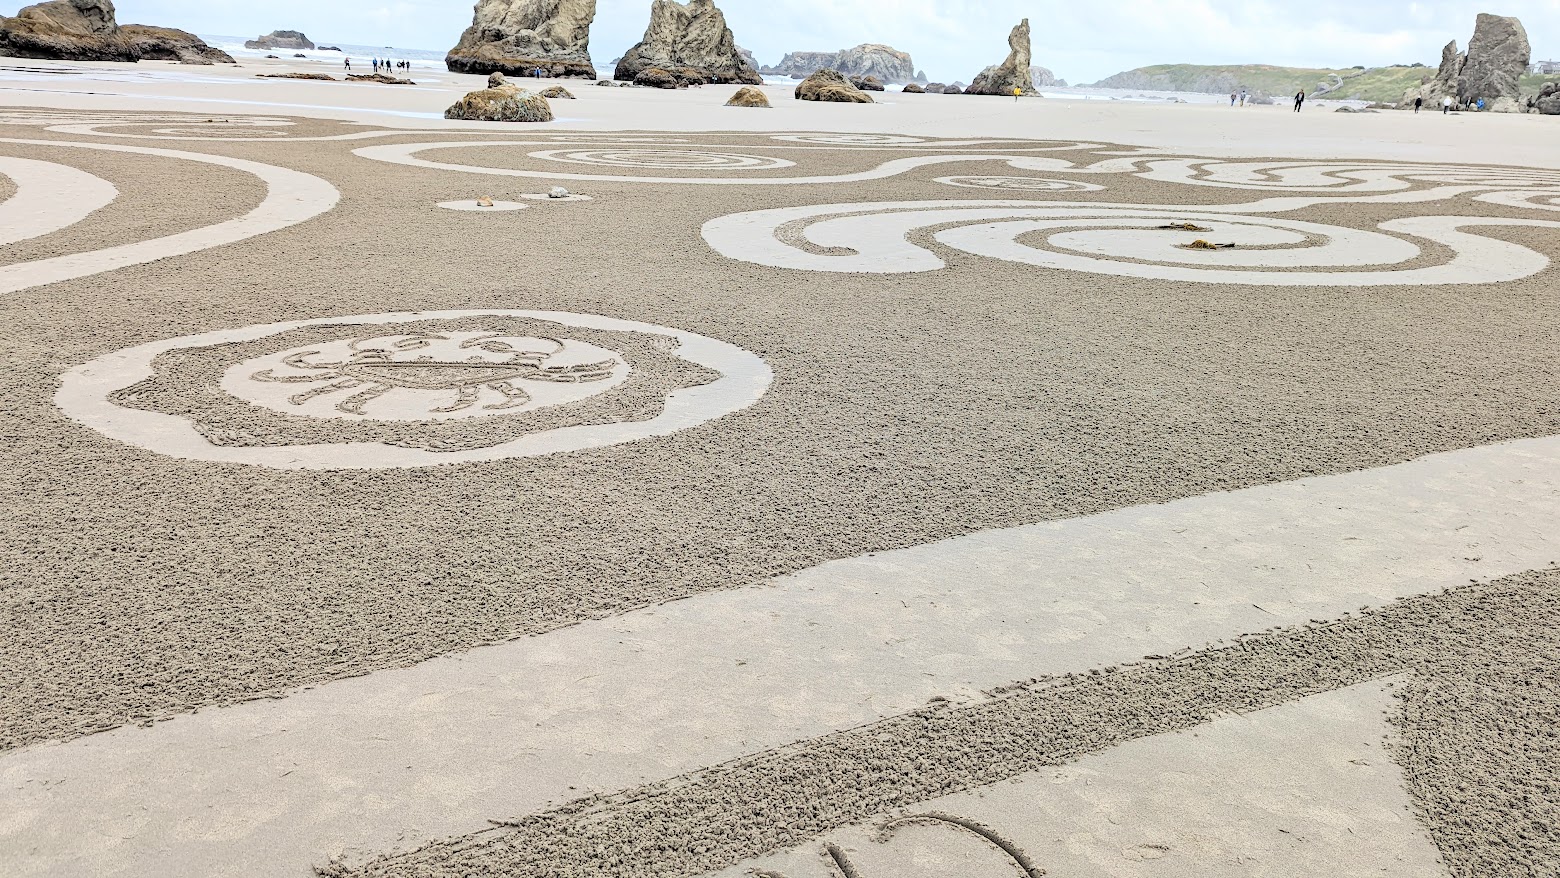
(950, 39)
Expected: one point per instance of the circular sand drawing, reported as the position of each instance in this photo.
(411, 389)
(1020, 184)
(495, 207)
(678, 159)
(543, 196)
(424, 376)
(851, 139)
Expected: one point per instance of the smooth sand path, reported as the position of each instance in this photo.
(399, 757)
(1301, 789)
(48, 197)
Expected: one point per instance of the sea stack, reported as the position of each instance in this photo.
(868, 59)
(1011, 74)
(519, 36)
(1498, 56)
(691, 36)
(830, 85)
(281, 39)
(87, 30)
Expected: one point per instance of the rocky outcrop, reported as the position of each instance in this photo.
(955, 89)
(87, 30)
(934, 88)
(1011, 74)
(830, 85)
(693, 36)
(321, 77)
(867, 83)
(914, 89)
(380, 78)
(281, 39)
(746, 56)
(519, 36)
(507, 103)
(557, 92)
(1498, 56)
(1547, 101)
(748, 96)
(1044, 78)
(868, 59)
(171, 44)
(1432, 90)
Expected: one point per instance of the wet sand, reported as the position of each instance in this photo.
(954, 391)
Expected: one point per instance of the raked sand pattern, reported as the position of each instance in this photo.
(787, 504)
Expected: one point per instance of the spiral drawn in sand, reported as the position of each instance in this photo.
(1124, 240)
(852, 139)
(381, 368)
(52, 196)
(1019, 184)
(1329, 177)
(678, 159)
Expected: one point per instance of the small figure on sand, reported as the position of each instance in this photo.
(1299, 99)
(348, 62)
(1418, 102)
(1233, 97)
(1243, 97)
(1446, 105)
(1017, 93)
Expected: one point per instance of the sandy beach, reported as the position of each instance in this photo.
(886, 489)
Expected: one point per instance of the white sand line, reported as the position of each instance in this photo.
(1018, 184)
(1322, 176)
(1103, 237)
(85, 392)
(48, 197)
(407, 154)
(291, 197)
(1307, 785)
(390, 760)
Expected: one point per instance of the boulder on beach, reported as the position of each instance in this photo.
(954, 89)
(691, 36)
(1012, 74)
(830, 85)
(1498, 56)
(914, 89)
(87, 30)
(886, 63)
(281, 39)
(519, 36)
(1547, 101)
(557, 91)
(934, 88)
(748, 96)
(507, 103)
(497, 79)
(322, 77)
(381, 78)
(655, 77)
(867, 83)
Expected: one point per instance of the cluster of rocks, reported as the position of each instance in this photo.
(831, 85)
(1497, 57)
(938, 88)
(885, 63)
(281, 39)
(88, 30)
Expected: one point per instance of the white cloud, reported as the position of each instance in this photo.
(950, 39)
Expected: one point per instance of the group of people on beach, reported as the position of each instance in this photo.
(1241, 96)
(382, 64)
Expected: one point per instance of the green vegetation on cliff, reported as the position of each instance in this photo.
(1385, 84)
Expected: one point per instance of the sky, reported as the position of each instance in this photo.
(949, 39)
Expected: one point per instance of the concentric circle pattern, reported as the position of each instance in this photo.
(667, 159)
(1019, 184)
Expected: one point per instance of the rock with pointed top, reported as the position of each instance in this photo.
(1011, 74)
(1498, 56)
(519, 36)
(692, 35)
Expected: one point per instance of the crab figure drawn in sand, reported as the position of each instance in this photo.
(384, 365)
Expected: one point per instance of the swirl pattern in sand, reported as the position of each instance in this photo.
(1125, 240)
(1019, 184)
(674, 159)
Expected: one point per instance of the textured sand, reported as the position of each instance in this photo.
(906, 408)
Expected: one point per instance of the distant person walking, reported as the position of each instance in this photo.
(1299, 100)
(1243, 97)
(1017, 93)
(348, 62)
(1233, 96)
(1446, 105)
(1418, 102)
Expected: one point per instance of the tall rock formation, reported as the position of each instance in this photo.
(1431, 91)
(518, 36)
(693, 36)
(281, 39)
(1498, 56)
(87, 30)
(1010, 74)
(868, 59)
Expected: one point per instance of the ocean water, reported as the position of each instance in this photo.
(422, 59)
